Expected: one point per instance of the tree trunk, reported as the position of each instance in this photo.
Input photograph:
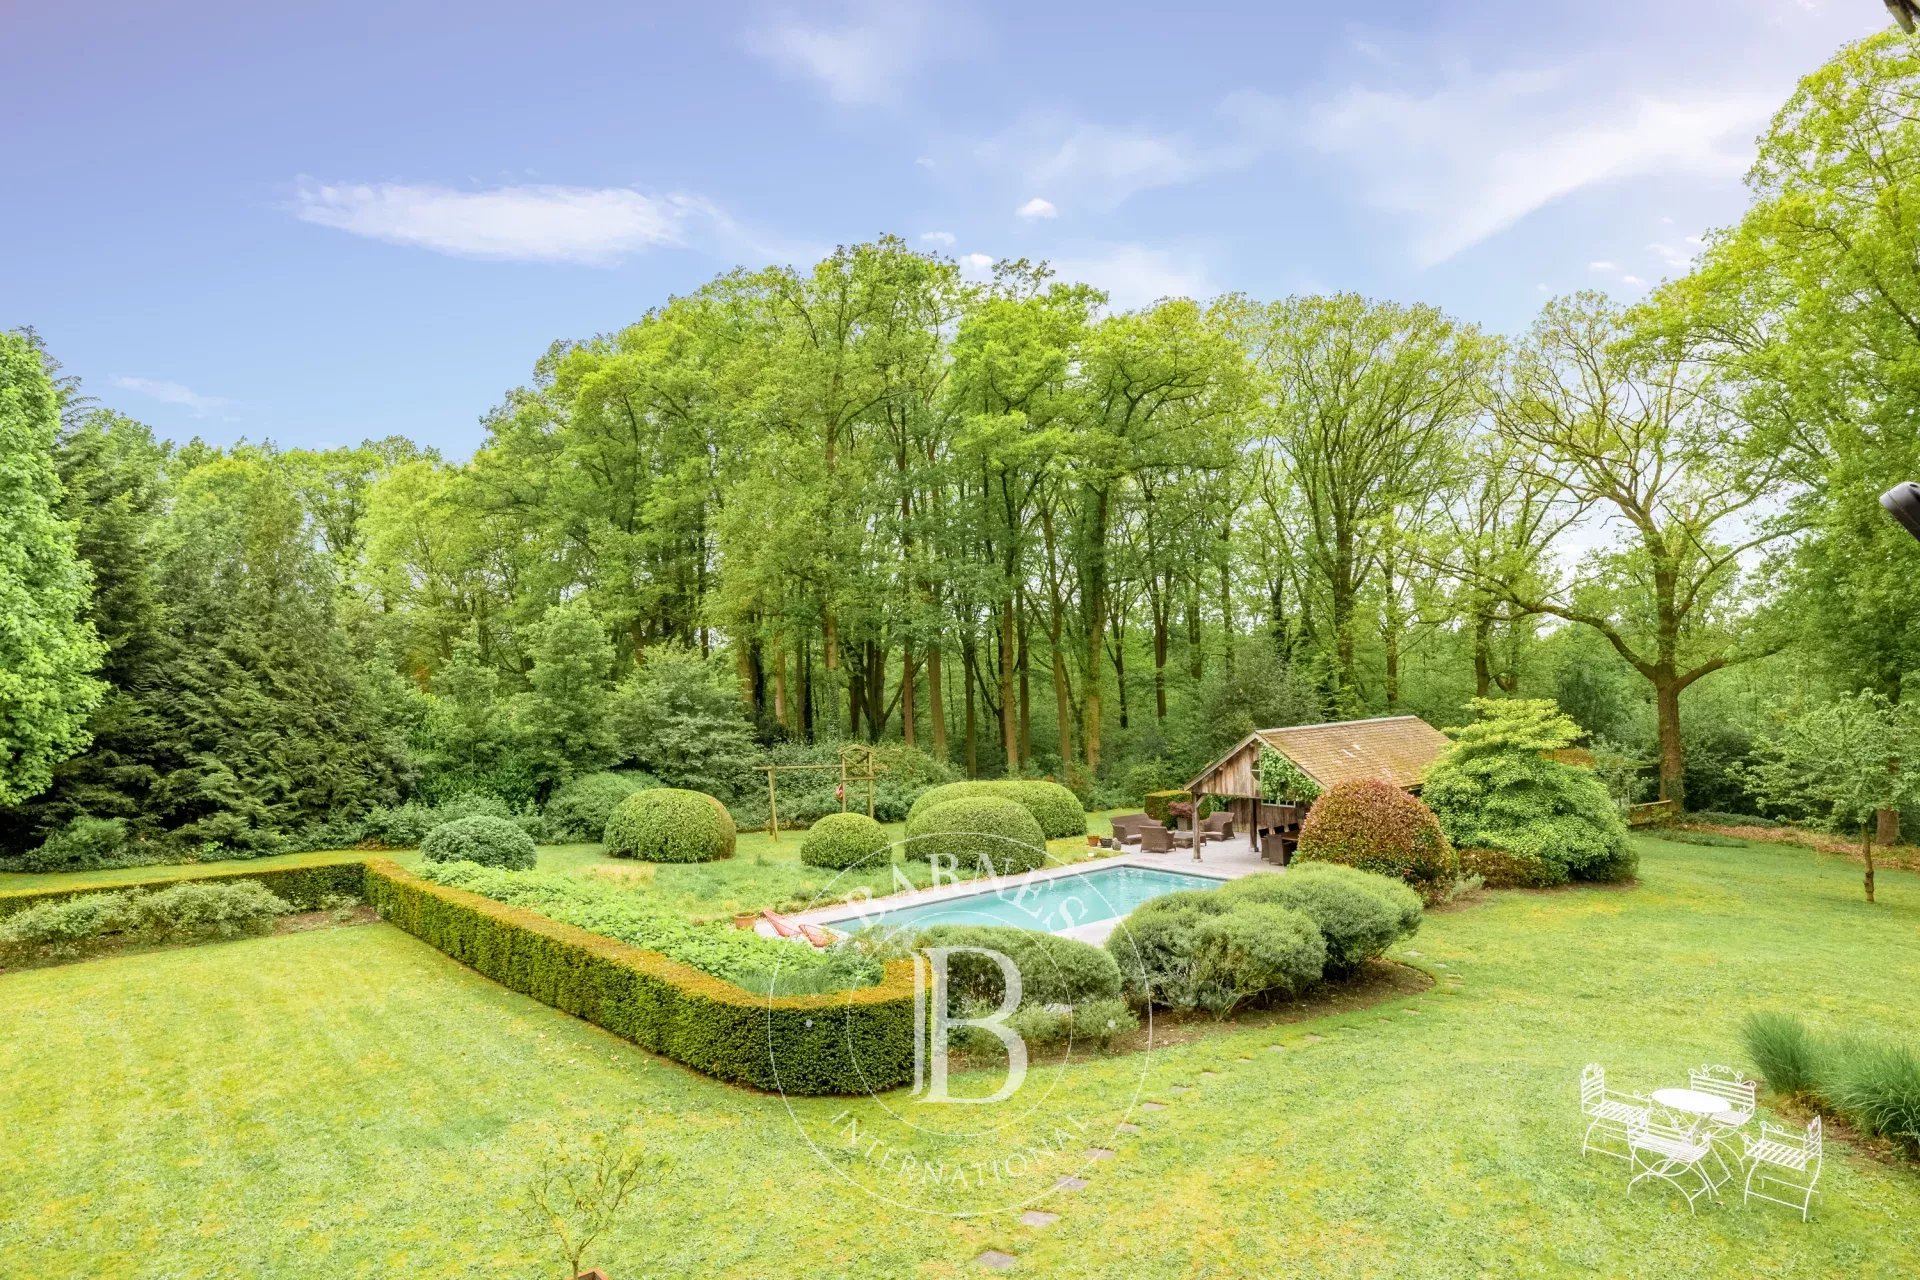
(1673, 760)
(1886, 827)
(1026, 699)
(969, 660)
(780, 687)
(935, 662)
(1393, 668)
(1009, 707)
(907, 677)
(1159, 667)
(1866, 853)
(1226, 608)
(1482, 667)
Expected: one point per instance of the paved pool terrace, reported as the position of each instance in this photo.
(1026, 897)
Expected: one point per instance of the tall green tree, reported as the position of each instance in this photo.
(1637, 439)
(48, 649)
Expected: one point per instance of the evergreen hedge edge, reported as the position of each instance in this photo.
(305, 887)
(844, 1042)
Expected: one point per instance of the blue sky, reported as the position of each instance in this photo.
(358, 219)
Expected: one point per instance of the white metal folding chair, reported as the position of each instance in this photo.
(1725, 1082)
(1609, 1115)
(1786, 1160)
(1674, 1154)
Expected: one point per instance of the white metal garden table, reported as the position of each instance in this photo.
(1703, 1107)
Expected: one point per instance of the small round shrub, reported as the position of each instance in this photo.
(1255, 950)
(1375, 826)
(1053, 970)
(842, 840)
(1355, 911)
(491, 842)
(580, 808)
(1057, 810)
(666, 824)
(978, 833)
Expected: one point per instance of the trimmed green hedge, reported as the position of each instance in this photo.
(843, 840)
(1057, 810)
(667, 824)
(977, 832)
(846, 1042)
(1155, 803)
(303, 887)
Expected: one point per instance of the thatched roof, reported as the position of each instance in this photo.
(1396, 749)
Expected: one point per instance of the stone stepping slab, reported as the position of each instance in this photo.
(1038, 1218)
(995, 1260)
(1070, 1183)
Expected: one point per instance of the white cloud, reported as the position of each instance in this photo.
(1100, 165)
(976, 266)
(944, 238)
(1037, 208)
(593, 225)
(1602, 265)
(168, 392)
(925, 162)
(1677, 258)
(864, 60)
(1134, 275)
(1632, 280)
(1473, 157)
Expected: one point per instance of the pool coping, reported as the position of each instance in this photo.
(835, 914)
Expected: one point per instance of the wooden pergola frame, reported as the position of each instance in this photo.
(856, 764)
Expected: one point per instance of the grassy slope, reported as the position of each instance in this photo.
(350, 1102)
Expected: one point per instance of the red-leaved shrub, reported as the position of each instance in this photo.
(1376, 826)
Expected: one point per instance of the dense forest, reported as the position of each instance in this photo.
(1004, 529)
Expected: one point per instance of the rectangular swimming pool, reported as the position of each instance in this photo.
(1051, 905)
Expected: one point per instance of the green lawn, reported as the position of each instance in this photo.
(349, 1102)
(762, 873)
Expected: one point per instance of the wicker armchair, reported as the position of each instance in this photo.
(1155, 838)
(1217, 826)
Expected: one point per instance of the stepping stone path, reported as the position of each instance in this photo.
(1243, 1058)
(1070, 1183)
(1099, 1153)
(1208, 1075)
(1153, 1106)
(1276, 1048)
(1127, 1128)
(1314, 1039)
(1038, 1218)
(994, 1260)
(1415, 1012)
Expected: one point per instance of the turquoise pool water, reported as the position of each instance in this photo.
(1047, 905)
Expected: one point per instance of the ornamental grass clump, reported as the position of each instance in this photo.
(840, 841)
(979, 833)
(666, 824)
(491, 842)
(1499, 787)
(1375, 826)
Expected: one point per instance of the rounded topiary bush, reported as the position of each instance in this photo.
(666, 824)
(1255, 950)
(1057, 810)
(843, 840)
(1377, 827)
(491, 842)
(579, 809)
(979, 833)
(1360, 914)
